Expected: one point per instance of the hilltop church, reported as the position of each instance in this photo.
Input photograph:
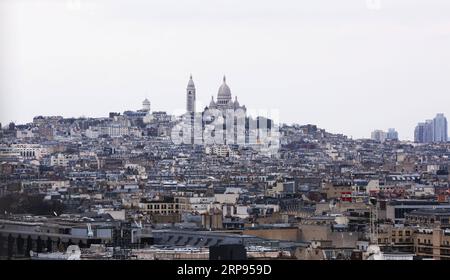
(224, 100)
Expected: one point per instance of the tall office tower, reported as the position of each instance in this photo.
(428, 132)
(190, 96)
(440, 128)
(419, 133)
(378, 135)
(392, 134)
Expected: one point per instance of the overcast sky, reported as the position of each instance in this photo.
(349, 66)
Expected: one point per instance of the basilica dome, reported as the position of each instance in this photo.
(224, 94)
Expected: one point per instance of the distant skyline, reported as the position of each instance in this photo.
(348, 66)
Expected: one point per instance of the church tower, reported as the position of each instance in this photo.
(190, 96)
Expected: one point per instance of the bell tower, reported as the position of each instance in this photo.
(190, 96)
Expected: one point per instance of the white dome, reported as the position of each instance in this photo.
(146, 105)
(224, 94)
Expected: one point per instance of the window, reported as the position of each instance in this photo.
(407, 233)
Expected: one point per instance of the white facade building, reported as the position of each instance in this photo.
(62, 160)
(25, 133)
(29, 151)
(218, 150)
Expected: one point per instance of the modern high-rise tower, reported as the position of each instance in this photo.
(378, 135)
(435, 130)
(428, 133)
(440, 128)
(419, 133)
(392, 134)
(190, 96)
